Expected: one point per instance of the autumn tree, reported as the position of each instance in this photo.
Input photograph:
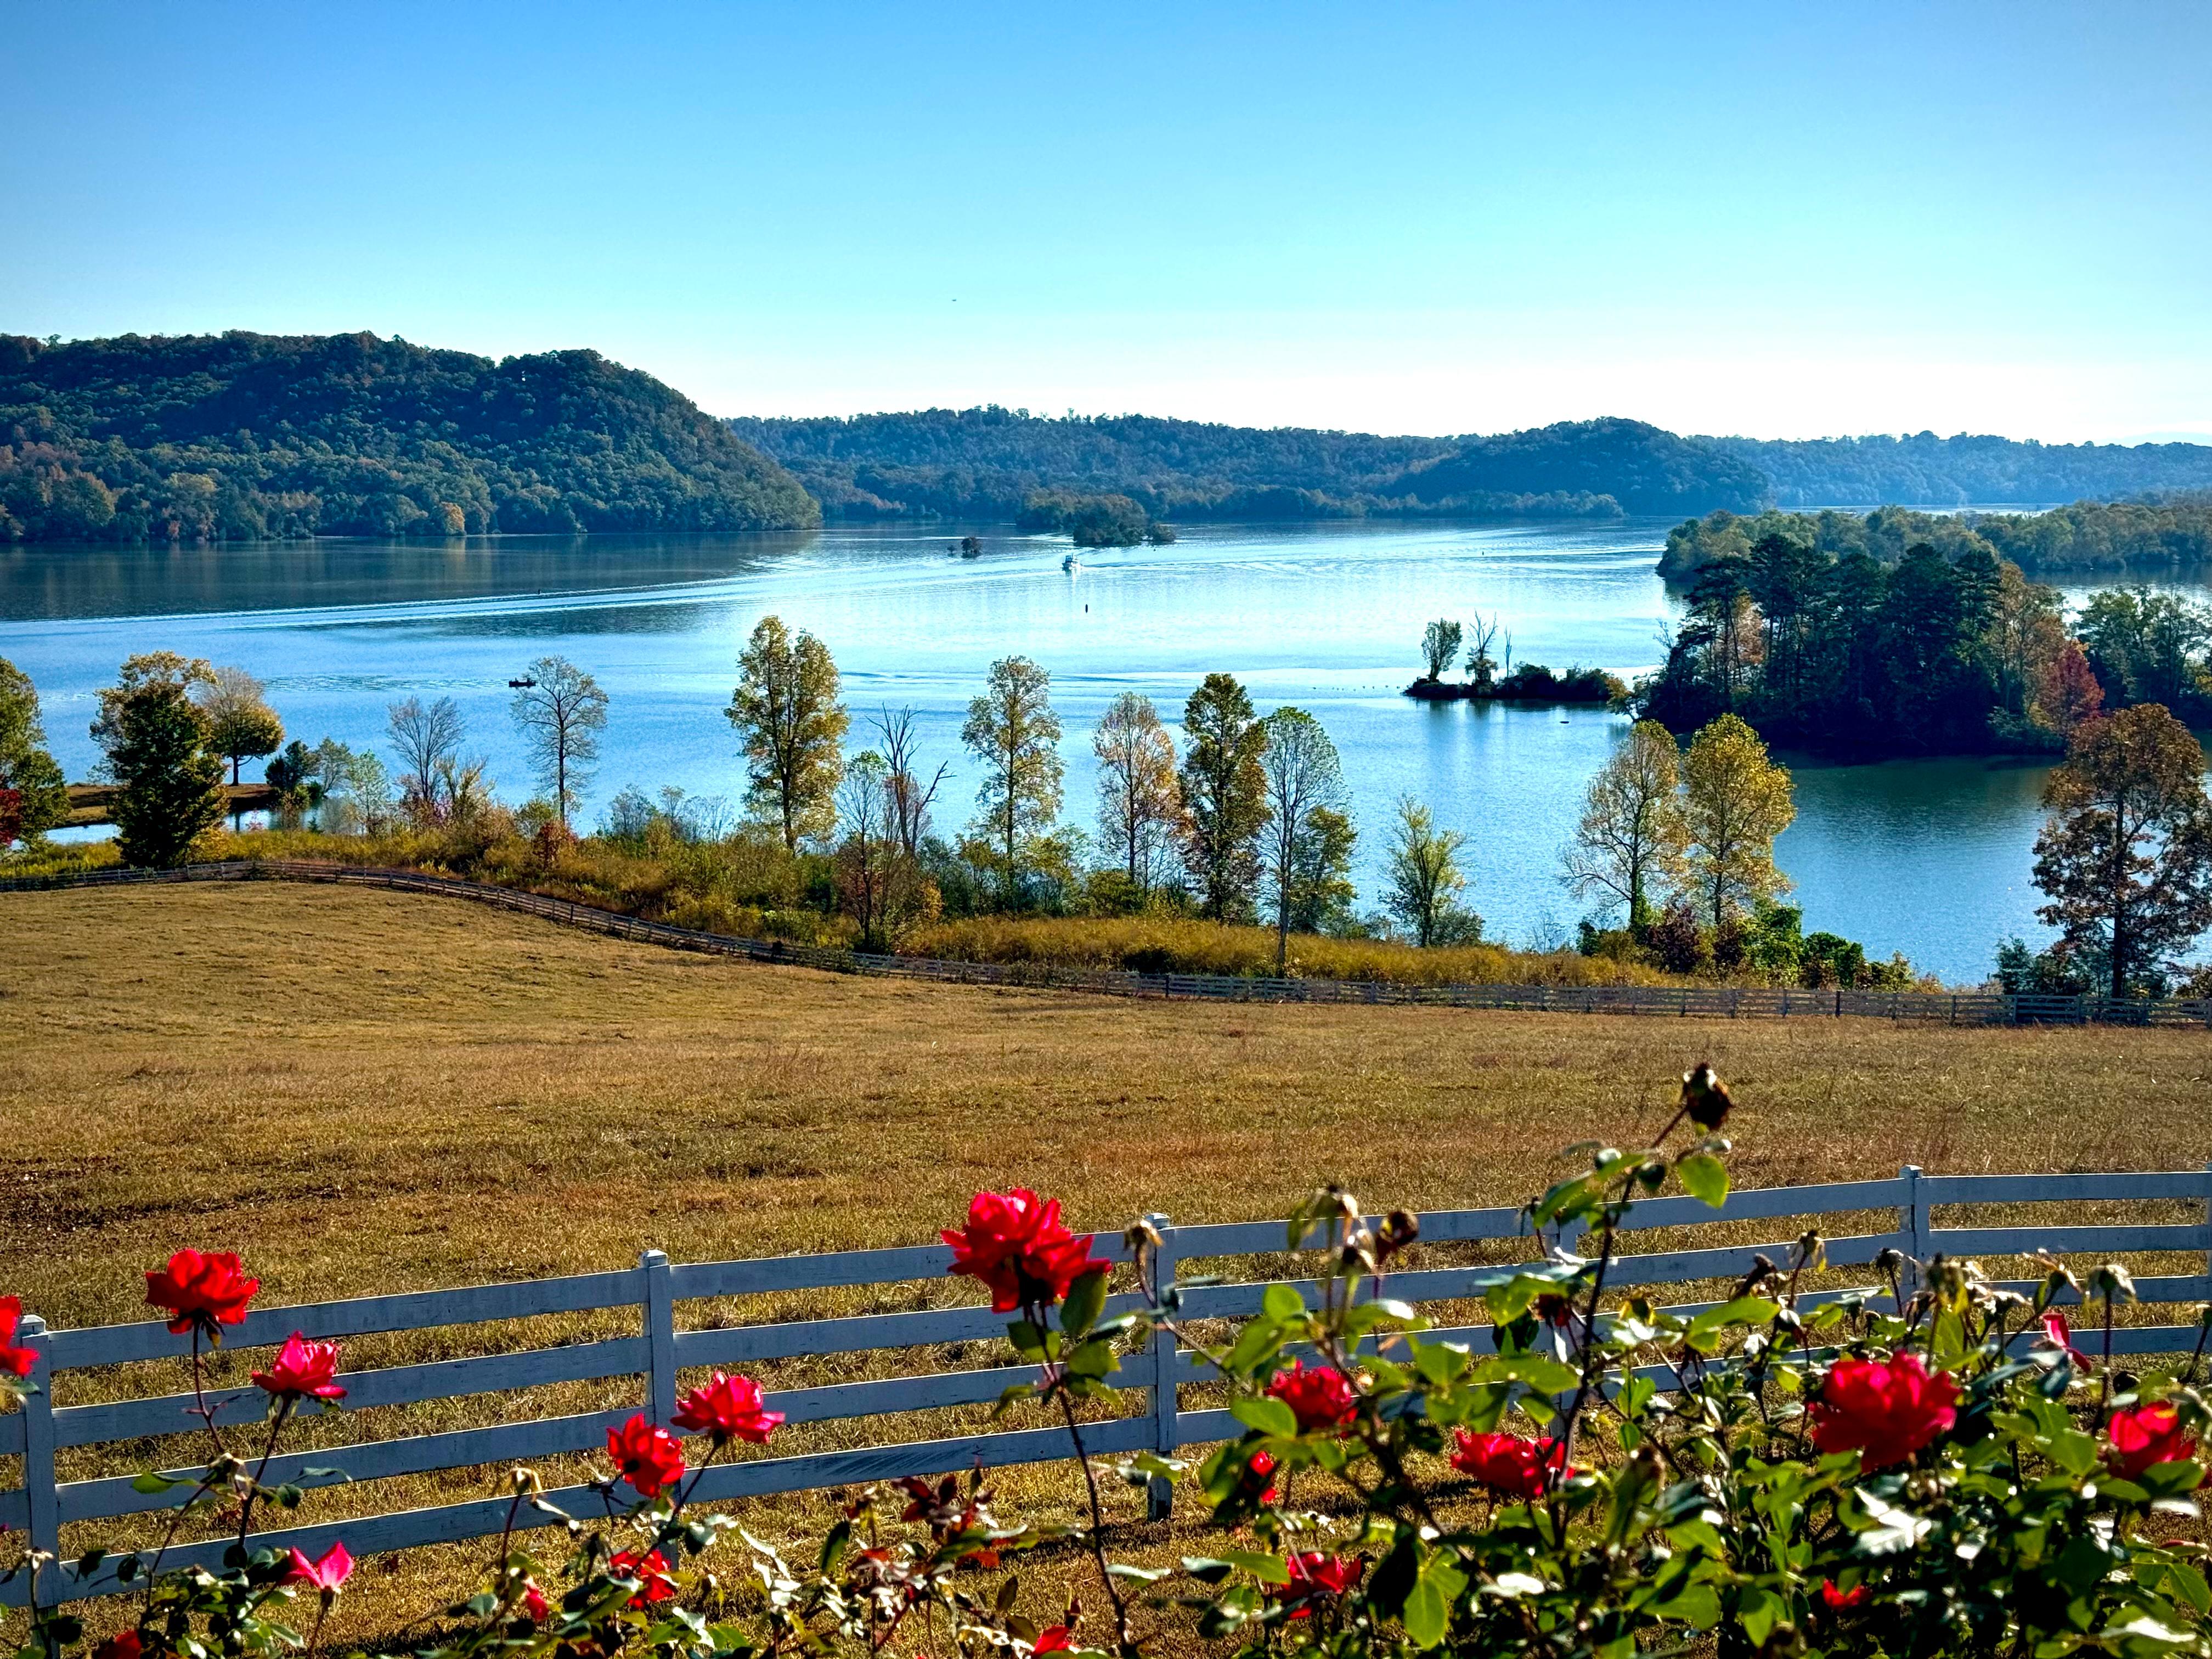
(876, 878)
(27, 771)
(241, 726)
(560, 710)
(908, 794)
(1303, 778)
(1631, 840)
(427, 739)
(791, 725)
(2125, 857)
(1735, 802)
(1139, 797)
(1440, 647)
(2069, 695)
(1012, 731)
(1422, 879)
(169, 782)
(1224, 796)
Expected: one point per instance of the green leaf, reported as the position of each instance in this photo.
(1545, 1375)
(1705, 1176)
(1266, 1415)
(1756, 1613)
(1267, 1569)
(1086, 1300)
(1696, 1606)
(1027, 1339)
(1282, 1303)
(153, 1484)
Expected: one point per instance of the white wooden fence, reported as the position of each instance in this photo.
(1666, 1001)
(43, 1506)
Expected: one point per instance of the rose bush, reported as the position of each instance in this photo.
(1941, 1472)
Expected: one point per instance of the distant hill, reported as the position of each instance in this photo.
(238, 436)
(1926, 471)
(1644, 468)
(988, 463)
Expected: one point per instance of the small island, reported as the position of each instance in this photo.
(1531, 683)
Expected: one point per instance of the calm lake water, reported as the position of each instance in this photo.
(1930, 858)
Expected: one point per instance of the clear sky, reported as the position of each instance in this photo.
(1781, 219)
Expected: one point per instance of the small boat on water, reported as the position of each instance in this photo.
(1071, 563)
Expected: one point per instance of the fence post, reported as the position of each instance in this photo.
(1159, 1491)
(2207, 1224)
(659, 1337)
(39, 1490)
(1913, 1227)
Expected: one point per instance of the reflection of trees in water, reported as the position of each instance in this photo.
(54, 580)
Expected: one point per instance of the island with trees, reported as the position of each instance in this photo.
(1491, 674)
(2168, 533)
(238, 436)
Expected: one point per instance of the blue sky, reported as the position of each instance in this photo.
(1779, 219)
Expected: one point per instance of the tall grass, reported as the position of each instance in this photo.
(1170, 944)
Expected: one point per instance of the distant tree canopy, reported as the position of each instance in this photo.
(1958, 471)
(2087, 536)
(238, 436)
(1644, 469)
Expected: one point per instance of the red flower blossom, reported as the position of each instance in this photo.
(654, 1584)
(1836, 1601)
(16, 1362)
(1058, 1639)
(1313, 1576)
(534, 1602)
(1885, 1410)
(1506, 1463)
(729, 1408)
(2151, 1434)
(125, 1644)
(1259, 1472)
(649, 1455)
(1319, 1398)
(1015, 1243)
(202, 1290)
(302, 1368)
(325, 1575)
(2058, 1337)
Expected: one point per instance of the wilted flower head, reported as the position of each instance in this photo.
(1705, 1097)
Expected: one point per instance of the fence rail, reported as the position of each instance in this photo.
(1673, 1001)
(656, 1290)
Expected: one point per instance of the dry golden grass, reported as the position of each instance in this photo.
(365, 1092)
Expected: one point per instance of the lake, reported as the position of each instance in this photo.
(1930, 858)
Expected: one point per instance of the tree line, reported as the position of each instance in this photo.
(2158, 532)
(1936, 652)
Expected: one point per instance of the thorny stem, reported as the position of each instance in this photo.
(201, 1409)
(315, 1636)
(2203, 1330)
(284, 1404)
(2105, 1383)
(1097, 1522)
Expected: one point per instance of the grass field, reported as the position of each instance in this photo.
(364, 1091)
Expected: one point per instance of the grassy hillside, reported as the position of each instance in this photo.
(365, 1092)
(215, 437)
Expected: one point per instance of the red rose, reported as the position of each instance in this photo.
(1884, 1410)
(1836, 1601)
(1015, 1243)
(2139, 1439)
(2058, 1337)
(1319, 1398)
(729, 1408)
(1054, 1640)
(649, 1456)
(1506, 1463)
(203, 1291)
(16, 1362)
(534, 1603)
(302, 1368)
(1313, 1576)
(124, 1645)
(1260, 1474)
(654, 1584)
(325, 1575)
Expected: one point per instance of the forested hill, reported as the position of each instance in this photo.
(1926, 471)
(987, 463)
(238, 436)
